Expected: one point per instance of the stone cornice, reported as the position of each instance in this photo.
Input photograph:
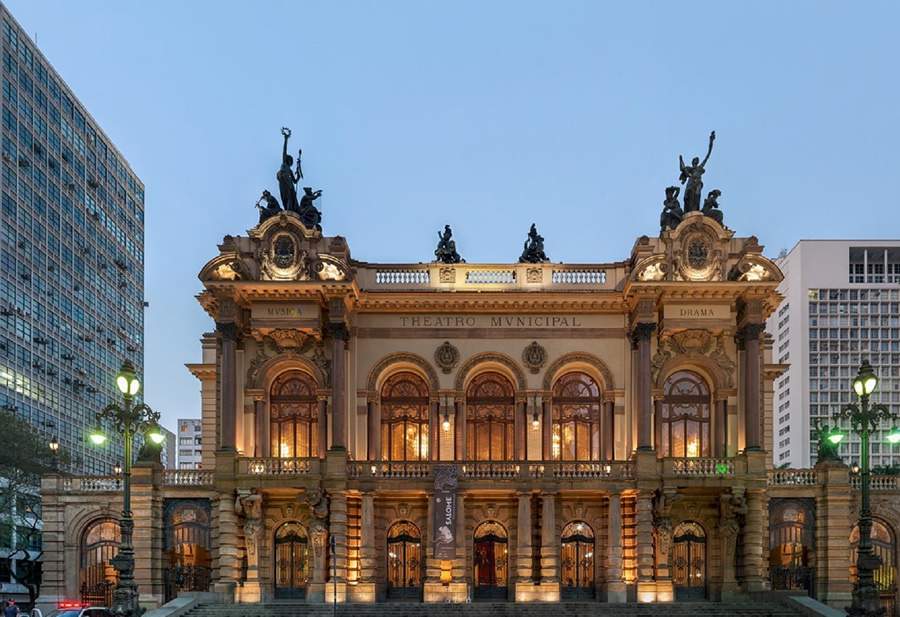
(202, 371)
(488, 302)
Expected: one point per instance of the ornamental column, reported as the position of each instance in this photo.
(646, 585)
(523, 531)
(754, 536)
(373, 436)
(720, 444)
(261, 441)
(227, 332)
(640, 342)
(546, 432)
(339, 337)
(367, 552)
(615, 583)
(749, 336)
(549, 545)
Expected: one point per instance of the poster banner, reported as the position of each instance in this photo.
(443, 525)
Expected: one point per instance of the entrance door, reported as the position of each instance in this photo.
(886, 574)
(292, 561)
(689, 561)
(791, 543)
(577, 561)
(404, 545)
(187, 547)
(491, 561)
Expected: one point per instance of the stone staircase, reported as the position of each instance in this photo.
(496, 609)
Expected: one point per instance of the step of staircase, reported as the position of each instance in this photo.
(495, 609)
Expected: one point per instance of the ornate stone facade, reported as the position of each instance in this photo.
(608, 424)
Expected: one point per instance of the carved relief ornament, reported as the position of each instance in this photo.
(694, 344)
(446, 356)
(534, 357)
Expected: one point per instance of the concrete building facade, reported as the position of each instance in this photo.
(841, 306)
(190, 443)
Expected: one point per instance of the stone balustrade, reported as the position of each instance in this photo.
(269, 466)
(702, 467)
(187, 477)
(494, 276)
(611, 470)
(91, 484)
(877, 483)
(792, 477)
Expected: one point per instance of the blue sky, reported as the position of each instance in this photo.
(485, 115)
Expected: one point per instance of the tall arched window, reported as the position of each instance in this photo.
(576, 418)
(684, 416)
(404, 418)
(490, 418)
(99, 544)
(293, 410)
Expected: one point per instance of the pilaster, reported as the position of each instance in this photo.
(833, 527)
(646, 585)
(615, 583)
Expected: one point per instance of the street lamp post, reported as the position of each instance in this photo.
(128, 419)
(864, 419)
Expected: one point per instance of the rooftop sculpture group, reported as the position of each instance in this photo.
(288, 176)
(692, 176)
(445, 252)
(533, 251)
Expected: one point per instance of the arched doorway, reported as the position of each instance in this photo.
(97, 577)
(577, 561)
(791, 544)
(293, 561)
(491, 561)
(886, 575)
(187, 555)
(683, 422)
(689, 561)
(404, 561)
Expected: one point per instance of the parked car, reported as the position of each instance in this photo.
(74, 609)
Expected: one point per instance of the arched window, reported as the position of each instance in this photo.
(293, 409)
(404, 418)
(99, 544)
(886, 574)
(792, 539)
(187, 547)
(404, 544)
(490, 418)
(293, 561)
(684, 416)
(576, 418)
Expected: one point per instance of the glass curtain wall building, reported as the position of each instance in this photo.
(71, 256)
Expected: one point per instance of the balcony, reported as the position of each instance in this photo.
(493, 470)
(278, 467)
(187, 477)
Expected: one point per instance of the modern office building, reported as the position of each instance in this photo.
(189, 443)
(841, 306)
(71, 256)
(167, 454)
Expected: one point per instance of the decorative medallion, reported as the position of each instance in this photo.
(403, 510)
(283, 259)
(446, 356)
(283, 251)
(534, 357)
(700, 257)
(448, 275)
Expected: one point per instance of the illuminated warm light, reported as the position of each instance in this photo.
(284, 449)
(866, 381)
(535, 422)
(54, 445)
(693, 448)
(446, 423)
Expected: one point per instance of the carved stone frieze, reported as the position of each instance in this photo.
(447, 275)
(534, 275)
(287, 345)
(694, 344)
(446, 356)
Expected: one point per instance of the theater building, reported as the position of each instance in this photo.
(458, 431)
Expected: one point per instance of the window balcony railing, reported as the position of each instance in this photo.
(792, 477)
(270, 466)
(494, 470)
(187, 477)
(700, 467)
(877, 483)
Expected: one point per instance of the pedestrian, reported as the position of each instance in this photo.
(11, 609)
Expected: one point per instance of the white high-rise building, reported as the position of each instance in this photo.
(189, 443)
(841, 306)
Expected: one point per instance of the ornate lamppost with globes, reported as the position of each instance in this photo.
(128, 420)
(864, 418)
